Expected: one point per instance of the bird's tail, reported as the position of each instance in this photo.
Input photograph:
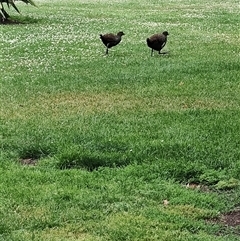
(148, 41)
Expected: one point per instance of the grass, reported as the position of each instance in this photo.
(115, 136)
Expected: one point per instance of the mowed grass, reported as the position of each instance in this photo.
(116, 138)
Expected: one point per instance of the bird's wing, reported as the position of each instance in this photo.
(162, 40)
(164, 43)
(111, 38)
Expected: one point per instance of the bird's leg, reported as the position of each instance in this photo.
(107, 49)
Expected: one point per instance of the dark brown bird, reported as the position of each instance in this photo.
(157, 41)
(110, 39)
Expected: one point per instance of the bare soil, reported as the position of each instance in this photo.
(230, 223)
(231, 219)
(29, 161)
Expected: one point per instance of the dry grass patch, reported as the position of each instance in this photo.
(57, 234)
(70, 103)
(66, 233)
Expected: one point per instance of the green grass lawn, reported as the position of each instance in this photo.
(117, 138)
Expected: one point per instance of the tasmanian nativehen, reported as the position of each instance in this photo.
(157, 42)
(110, 39)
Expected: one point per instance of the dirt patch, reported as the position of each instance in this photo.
(231, 219)
(29, 161)
(230, 223)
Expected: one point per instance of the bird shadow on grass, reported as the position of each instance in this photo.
(18, 20)
(164, 54)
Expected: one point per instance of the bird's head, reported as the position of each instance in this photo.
(165, 33)
(120, 33)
